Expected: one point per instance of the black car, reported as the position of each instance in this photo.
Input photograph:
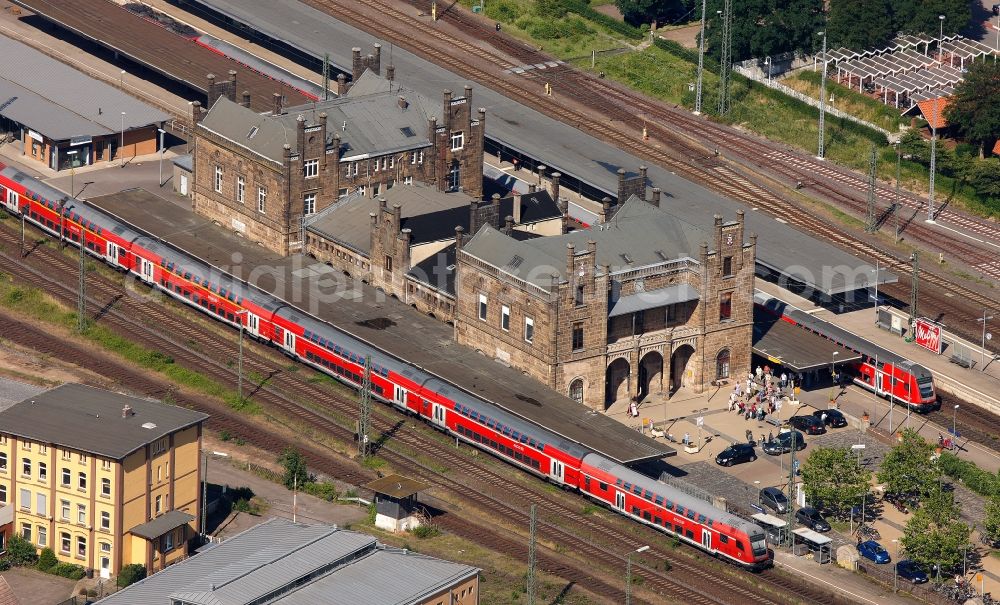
(774, 499)
(736, 453)
(834, 418)
(808, 424)
(782, 444)
(908, 570)
(811, 518)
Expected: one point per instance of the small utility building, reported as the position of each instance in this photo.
(64, 118)
(396, 506)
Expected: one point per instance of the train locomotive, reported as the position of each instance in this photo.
(880, 371)
(394, 381)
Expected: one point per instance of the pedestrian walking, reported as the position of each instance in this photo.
(749, 436)
(770, 436)
(760, 372)
(784, 380)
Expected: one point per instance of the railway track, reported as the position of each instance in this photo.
(496, 494)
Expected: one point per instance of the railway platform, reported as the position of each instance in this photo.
(382, 321)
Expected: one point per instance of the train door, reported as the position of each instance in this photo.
(557, 471)
(706, 539)
(439, 417)
(620, 501)
(879, 377)
(253, 324)
(399, 395)
(113, 254)
(10, 199)
(289, 341)
(146, 270)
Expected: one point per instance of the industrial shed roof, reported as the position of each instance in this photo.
(60, 102)
(290, 563)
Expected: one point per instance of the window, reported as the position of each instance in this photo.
(159, 473)
(67, 477)
(64, 543)
(81, 514)
(159, 504)
(529, 329)
(26, 467)
(375, 169)
(43, 471)
(3, 494)
(26, 499)
(457, 140)
(671, 314)
(82, 482)
(218, 179)
(505, 318)
(81, 547)
(725, 306)
(42, 504)
(361, 190)
(43, 449)
(168, 542)
(407, 180)
(83, 458)
(3, 462)
(26, 446)
(105, 547)
(639, 322)
(576, 391)
(482, 307)
(64, 509)
(261, 199)
(26, 531)
(388, 263)
(106, 465)
(578, 337)
(309, 203)
(578, 296)
(722, 364)
(241, 189)
(413, 157)
(43, 535)
(66, 455)
(106, 487)
(384, 161)
(727, 266)
(310, 168)
(105, 520)
(454, 177)
(420, 157)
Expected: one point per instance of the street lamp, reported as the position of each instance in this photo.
(72, 170)
(628, 573)
(985, 318)
(933, 165)
(767, 61)
(833, 365)
(822, 100)
(701, 60)
(121, 79)
(895, 577)
(239, 363)
(121, 148)
(954, 417)
(941, 39)
(162, 149)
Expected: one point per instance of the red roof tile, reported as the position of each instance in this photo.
(935, 115)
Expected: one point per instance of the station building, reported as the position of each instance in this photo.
(102, 479)
(640, 303)
(64, 119)
(285, 563)
(260, 175)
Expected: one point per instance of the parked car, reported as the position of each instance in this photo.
(811, 518)
(782, 444)
(774, 499)
(873, 550)
(909, 570)
(808, 424)
(834, 418)
(736, 453)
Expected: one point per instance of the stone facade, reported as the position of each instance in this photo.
(577, 349)
(265, 197)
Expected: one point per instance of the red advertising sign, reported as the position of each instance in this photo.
(928, 335)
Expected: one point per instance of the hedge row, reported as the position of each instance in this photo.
(583, 8)
(982, 482)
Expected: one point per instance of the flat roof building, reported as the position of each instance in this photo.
(284, 563)
(65, 118)
(101, 478)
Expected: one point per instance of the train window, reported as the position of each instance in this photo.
(524, 438)
(618, 482)
(690, 514)
(646, 515)
(724, 538)
(627, 486)
(689, 533)
(680, 509)
(515, 435)
(635, 511)
(701, 518)
(648, 495)
(659, 500)
(637, 490)
(739, 545)
(710, 522)
(658, 520)
(603, 486)
(518, 456)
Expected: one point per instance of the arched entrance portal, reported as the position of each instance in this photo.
(616, 381)
(678, 367)
(650, 374)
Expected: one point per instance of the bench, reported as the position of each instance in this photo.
(960, 361)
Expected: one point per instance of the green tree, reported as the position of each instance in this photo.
(975, 107)
(637, 12)
(859, 24)
(934, 535)
(833, 477)
(766, 27)
(294, 464)
(991, 520)
(984, 176)
(21, 552)
(908, 469)
(130, 574)
(47, 560)
(923, 17)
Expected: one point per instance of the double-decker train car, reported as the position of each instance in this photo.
(885, 373)
(396, 382)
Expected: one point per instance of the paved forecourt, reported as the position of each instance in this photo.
(319, 290)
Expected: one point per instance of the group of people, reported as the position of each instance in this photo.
(759, 395)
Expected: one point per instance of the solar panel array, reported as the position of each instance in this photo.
(907, 70)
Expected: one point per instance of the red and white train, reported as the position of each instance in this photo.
(394, 381)
(881, 371)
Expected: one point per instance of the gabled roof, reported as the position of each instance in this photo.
(155, 528)
(370, 122)
(639, 234)
(933, 111)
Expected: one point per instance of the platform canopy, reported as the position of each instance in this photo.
(796, 348)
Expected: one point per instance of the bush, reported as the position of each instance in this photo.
(20, 552)
(504, 11)
(425, 531)
(130, 574)
(68, 570)
(980, 481)
(323, 490)
(47, 560)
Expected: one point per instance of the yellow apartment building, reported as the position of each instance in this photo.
(101, 478)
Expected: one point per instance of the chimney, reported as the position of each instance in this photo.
(246, 99)
(376, 64)
(656, 197)
(570, 265)
(592, 261)
(213, 93)
(740, 216)
(390, 73)
(468, 99)
(495, 198)
(432, 126)
(341, 85)
(322, 138)
(357, 67)
(447, 108)
(621, 183)
(642, 173)
(605, 209)
(516, 207)
(473, 216)
(555, 185)
(336, 149)
(300, 133)
(401, 102)
(509, 227)
(482, 119)
(407, 235)
(564, 213)
(397, 217)
(541, 173)
(381, 205)
(532, 188)
(196, 113)
(231, 87)
(276, 104)
(127, 411)
(458, 237)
